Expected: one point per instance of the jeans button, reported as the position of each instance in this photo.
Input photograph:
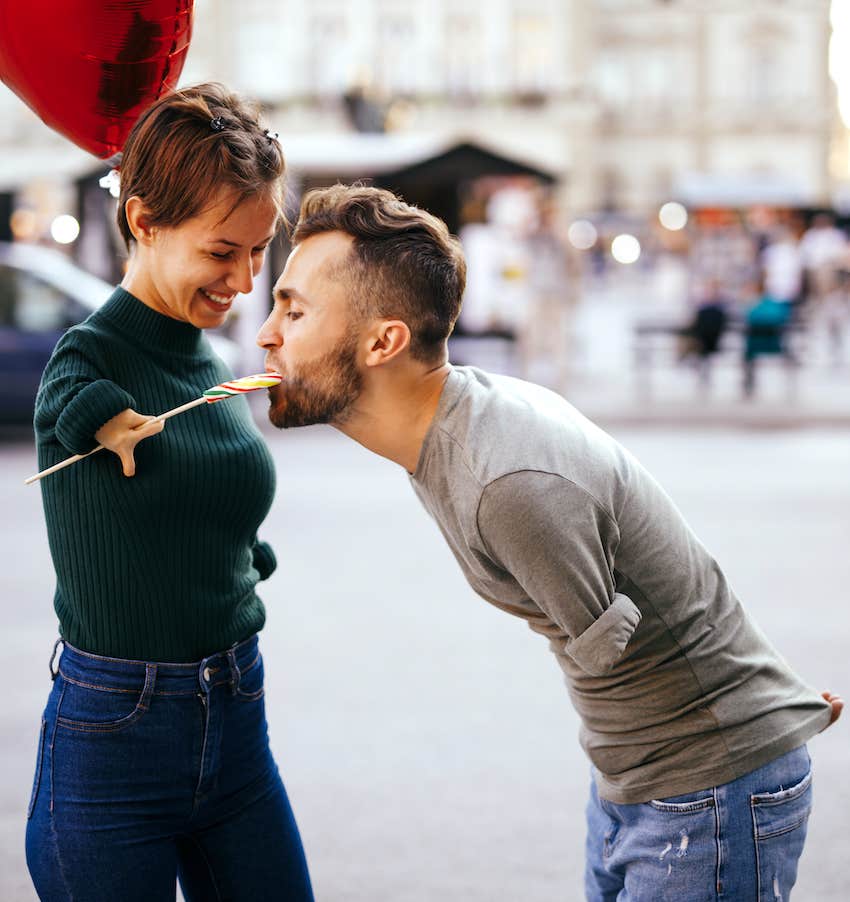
(206, 674)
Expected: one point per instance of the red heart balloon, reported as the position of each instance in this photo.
(89, 68)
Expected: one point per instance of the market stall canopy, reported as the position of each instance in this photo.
(744, 189)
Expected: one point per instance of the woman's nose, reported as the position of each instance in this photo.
(241, 277)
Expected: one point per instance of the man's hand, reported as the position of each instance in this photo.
(837, 703)
(123, 432)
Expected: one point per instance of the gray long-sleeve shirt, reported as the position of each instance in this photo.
(553, 521)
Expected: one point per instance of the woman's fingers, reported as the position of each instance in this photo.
(124, 431)
(126, 450)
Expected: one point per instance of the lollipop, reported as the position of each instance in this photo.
(210, 396)
(240, 386)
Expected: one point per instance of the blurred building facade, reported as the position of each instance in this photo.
(630, 102)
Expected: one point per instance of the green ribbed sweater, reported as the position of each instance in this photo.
(161, 566)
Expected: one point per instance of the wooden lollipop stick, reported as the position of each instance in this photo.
(72, 460)
(210, 396)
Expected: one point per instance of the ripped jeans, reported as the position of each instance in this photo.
(739, 842)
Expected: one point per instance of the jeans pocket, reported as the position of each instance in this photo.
(780, 823)
(39, 763)
(683, 804)
(251, 681)
(88, 708)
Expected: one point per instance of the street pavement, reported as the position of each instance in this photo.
(425, 738)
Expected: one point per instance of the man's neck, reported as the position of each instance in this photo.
(391, 418)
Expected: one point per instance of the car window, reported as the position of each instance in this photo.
(31, 305)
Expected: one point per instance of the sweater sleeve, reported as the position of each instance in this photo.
(74, 399)
(559, 543)
(265, 561)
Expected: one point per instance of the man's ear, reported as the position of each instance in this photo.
(387, 340)
(138, 218)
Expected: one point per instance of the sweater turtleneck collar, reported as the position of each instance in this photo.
(149, 327)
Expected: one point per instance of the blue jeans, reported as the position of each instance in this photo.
(738, 842)
(148, 772)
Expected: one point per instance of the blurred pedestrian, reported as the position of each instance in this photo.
(153, 759)
(766, 333)
(702, 336)
(822, 247)
(695, 725)
(782, 264)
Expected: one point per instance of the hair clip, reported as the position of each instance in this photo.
(217, 124)
(112, 182)
(272, 136)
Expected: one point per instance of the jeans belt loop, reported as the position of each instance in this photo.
(235, 672)
(56, 644)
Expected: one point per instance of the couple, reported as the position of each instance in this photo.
(153, 760)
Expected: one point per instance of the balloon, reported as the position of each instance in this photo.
(89, 68)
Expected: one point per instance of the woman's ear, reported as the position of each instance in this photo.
(387, 340)
(138, 218)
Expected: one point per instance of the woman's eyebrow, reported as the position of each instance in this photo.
(236, 243)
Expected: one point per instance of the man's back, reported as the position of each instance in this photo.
(553, 521)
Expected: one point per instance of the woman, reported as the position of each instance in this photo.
(153, 760)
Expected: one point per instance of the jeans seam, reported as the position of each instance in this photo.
(39, 766)
(718, 885)
(96, 688)
(796, 825)
(251, 666)
(52, 746)
(205, 704)
(210, 871)
(250, 697)
(59, 865)
(756, 848)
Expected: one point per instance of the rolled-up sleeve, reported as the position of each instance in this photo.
(558, 543)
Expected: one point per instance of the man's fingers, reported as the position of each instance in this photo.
(837, 707)
(837, 704)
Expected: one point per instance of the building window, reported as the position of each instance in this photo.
(397, 64)
(532, 55)
(257, 47)
(767, 49)
(612, 79)
(463, 57)
(329, 57)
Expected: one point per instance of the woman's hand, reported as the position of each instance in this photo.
(123, 432)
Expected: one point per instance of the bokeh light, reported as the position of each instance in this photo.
(582, 234)
(24, 225)
(65, 229)
(673, 216)
(625, 249)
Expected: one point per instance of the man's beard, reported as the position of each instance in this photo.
(324, 391)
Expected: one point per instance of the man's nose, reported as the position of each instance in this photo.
(269, 336)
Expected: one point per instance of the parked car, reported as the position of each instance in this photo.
(42, 294)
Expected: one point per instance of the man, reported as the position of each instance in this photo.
(695, 726)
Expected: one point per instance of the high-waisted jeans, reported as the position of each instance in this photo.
(738, 842)
(150, 772)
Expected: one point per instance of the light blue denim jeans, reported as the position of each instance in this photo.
(739, 842)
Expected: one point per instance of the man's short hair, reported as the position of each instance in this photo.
(404, 262)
